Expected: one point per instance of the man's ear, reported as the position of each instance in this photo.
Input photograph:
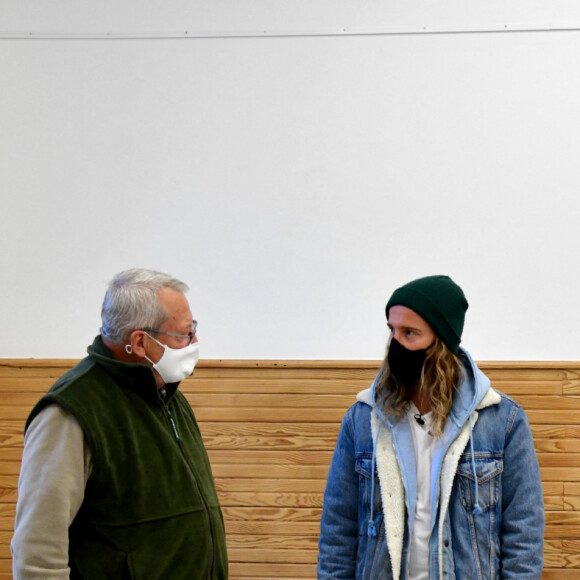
(137, 342)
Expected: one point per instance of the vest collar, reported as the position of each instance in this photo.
(136, 377)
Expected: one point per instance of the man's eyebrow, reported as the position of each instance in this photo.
(404, 327)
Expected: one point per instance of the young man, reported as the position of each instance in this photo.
(434, 474)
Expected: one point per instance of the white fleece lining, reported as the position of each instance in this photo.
(392, 493)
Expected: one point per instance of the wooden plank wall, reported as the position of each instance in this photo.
(270, 428)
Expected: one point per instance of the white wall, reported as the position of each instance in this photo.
(293, 182)
(145, 18)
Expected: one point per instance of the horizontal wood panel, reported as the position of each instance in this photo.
(7, 510)
(7, 523)
(8, 482)
(272, 402)
(10, 454)
(548, 403)
(562, 518)
(554, 532)
(275, 556)
(276, 542)
(558, 574)
(559, 459)
(251, 499)
(272, 528)
(259, 435)
(572, 503)
(273, 471)
(557, 445)
(269, 514)
(266, 457)
(270, 485)
(560, 473)
(553, 488)
(279, 415)
(554, 431)
(10, 468)
(550, 417)
(563, 553)
(270, 429)
(8, 496)
(554, 503)
(271, 571)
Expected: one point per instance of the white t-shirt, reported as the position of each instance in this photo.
(424, 445)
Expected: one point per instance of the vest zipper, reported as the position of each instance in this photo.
(162, 396)
(172, 423)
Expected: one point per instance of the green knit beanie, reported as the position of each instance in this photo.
(440, 301)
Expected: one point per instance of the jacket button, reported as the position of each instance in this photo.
(446, 543)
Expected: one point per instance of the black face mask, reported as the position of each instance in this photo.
(406, 365)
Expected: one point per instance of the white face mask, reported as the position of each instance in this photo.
(176, 364)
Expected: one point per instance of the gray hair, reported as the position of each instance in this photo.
(132, 303)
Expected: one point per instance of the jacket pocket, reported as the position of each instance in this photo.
(488, 470)
(363, 466)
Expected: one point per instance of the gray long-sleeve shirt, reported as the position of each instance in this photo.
(56, 463)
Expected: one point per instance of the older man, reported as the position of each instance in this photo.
(115, 479)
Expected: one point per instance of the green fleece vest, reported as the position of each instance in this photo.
(150, 509)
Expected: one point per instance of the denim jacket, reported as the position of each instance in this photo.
(487, 509)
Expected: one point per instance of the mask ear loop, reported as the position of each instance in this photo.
(145, 356)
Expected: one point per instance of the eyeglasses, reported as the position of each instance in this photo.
(190, 336)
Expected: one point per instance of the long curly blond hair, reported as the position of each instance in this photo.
(441, 376)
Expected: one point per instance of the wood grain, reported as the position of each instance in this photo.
(270, 429)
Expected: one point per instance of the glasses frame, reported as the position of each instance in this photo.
(190, 335)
